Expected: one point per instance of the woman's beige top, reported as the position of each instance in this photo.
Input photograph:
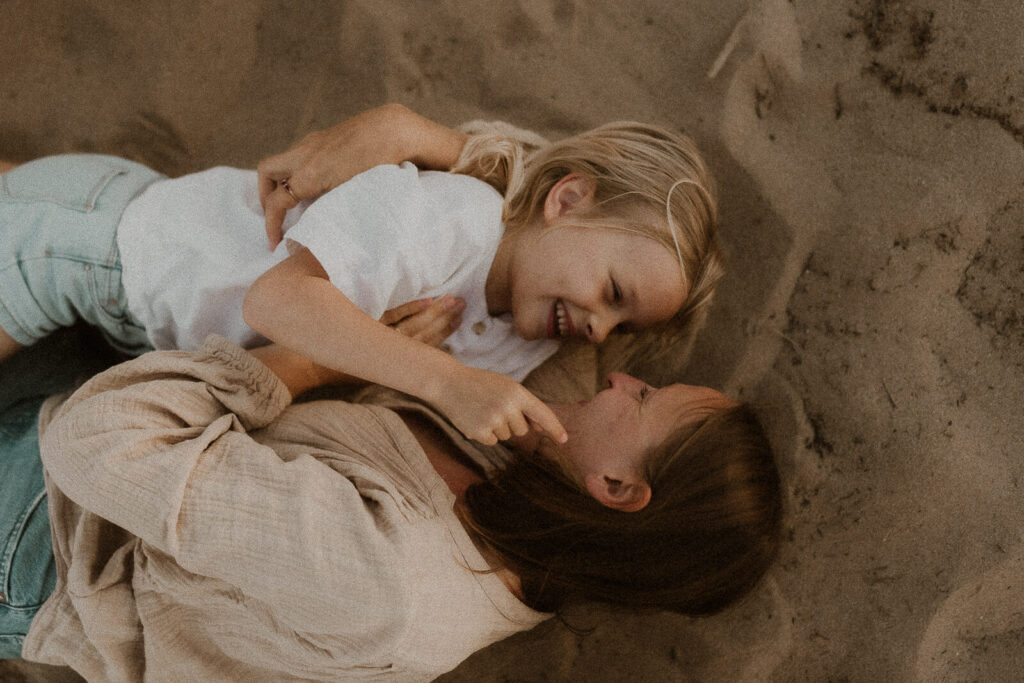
(206, 531)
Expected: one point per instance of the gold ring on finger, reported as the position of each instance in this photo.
(288, 188)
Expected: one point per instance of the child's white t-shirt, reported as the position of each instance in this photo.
(192, 246)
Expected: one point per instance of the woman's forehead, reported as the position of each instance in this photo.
(687, 401)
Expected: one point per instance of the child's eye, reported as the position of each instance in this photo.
(643, 392)
(616, 292)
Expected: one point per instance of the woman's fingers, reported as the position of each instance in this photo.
(276, 206)
(440, 320)
(285, 179)
(283, 184)
(396, 314)
(426, 320)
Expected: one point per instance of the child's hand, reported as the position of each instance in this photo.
(427, 320)
(489, 407)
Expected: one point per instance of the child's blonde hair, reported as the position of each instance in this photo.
(640, 173)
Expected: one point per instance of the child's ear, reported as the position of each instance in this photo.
(628, 495)
(572, 192)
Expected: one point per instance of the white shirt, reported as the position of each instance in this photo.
(192, 246)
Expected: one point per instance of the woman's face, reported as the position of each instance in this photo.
(612, 434)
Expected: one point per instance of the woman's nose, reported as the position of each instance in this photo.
(619, 379)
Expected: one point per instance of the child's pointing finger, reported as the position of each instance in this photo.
(542, 416)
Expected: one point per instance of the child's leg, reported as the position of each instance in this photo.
(59, 261)
(7, 345)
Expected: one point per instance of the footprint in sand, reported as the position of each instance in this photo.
(977, 633)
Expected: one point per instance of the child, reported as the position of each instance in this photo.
(612, 228)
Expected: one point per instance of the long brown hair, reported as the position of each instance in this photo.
(707, 536)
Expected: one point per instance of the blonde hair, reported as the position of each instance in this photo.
(640, 172)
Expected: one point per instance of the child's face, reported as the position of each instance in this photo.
(569, 282)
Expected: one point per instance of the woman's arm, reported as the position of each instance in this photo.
(324, 159)
(295, 305)
(161, 447)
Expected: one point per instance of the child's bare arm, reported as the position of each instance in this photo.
(295, 305)
(425, 320)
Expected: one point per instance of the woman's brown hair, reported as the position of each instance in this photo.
(707, 536)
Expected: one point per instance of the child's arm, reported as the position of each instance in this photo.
(295, 304)
(389, 134)
(425, 320)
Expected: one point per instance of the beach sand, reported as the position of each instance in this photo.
(869, 156)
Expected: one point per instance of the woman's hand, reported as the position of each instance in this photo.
(489, 407)
(324, 159)
(426, 320)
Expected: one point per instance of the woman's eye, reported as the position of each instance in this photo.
(616, 293)
(643, 392)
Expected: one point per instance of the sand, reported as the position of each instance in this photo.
(869, 157)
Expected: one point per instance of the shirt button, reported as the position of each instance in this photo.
(479, 327)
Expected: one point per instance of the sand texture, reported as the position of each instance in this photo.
(869, 156)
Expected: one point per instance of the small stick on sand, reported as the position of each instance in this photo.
(730, 45)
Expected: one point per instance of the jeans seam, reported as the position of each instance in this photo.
(90, 200)
(99, 304)
(11, 546)
(14, 319)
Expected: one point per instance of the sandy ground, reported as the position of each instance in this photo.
(869, 160)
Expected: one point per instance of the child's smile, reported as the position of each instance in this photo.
(560, 322)
(570, 282)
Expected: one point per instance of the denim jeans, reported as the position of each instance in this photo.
(27, 570)
(59, 261)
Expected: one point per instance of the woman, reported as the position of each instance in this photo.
(206, 528)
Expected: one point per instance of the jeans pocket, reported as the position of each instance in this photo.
(27, 569)
(73, 181)
(32, 573)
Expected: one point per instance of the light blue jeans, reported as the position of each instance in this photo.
(58, 264)
(27, 571)
(59, 260)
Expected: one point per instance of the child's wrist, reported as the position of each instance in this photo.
(442, 380)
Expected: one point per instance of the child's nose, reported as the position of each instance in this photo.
(598, 328)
